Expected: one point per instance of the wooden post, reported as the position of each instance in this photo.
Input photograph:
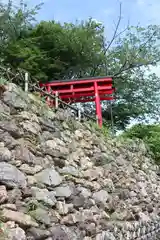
(56, 100)
(48, 89)
(26, 82)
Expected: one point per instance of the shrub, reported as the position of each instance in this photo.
(150, 134)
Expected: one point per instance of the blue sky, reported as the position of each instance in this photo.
(143, 11)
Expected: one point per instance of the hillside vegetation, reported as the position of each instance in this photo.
(150, 134)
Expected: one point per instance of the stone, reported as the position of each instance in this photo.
(24, 155)
(108, 185)
(12, 128)
(9, 206)
(122, 215)
(37, 234)
(14, 195)
(62, 208)
(43, 195)
(90, 228)
(93, 174)
(24, 115)
(41, 216)
(11, 176)
(105, 235)
(58, 233)
(15, 97)
(18, 217)
(4, 109)
(9, 225)
(31, 180)
(63, 191)
(30, 170)
(16, 234)
(82, 216)
(31, 127)
(3, 194)
(78, 201)
(49, 177)
(5, 154)
(143, 217)
(86, 193)
(100, 196)
(69, 170)
(8, 140)
(64, 233)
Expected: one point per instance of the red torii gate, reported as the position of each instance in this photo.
(95, 89)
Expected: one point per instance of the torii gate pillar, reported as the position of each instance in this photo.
(98, 105)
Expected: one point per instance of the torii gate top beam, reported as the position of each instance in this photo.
(83, 90)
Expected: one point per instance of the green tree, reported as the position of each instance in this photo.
(15, 22)
(58, 51)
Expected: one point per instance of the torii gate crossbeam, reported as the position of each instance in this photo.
(82, 90)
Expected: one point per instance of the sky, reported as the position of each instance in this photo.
(143, 11)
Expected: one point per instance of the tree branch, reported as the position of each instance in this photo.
(115, 35)
(116, 29)
(131, 65)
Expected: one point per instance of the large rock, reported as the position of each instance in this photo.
(16, 234)
(24, 155)
(12, 128)
(31, 127)
(30, 170)
(5, 154)
(93, 174)
(8, 140)
(11, 176)
(49, 177)
(63, 191)
(37, 234)
(101, 196)
(70, 171)
(105, 236)
(42, 216)
(44, 195)
(62, 208)
(65, 233)
(15, 97)
(18, 217)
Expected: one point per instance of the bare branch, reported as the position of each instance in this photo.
(131, 65)
(116, 29)
(115, 35)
